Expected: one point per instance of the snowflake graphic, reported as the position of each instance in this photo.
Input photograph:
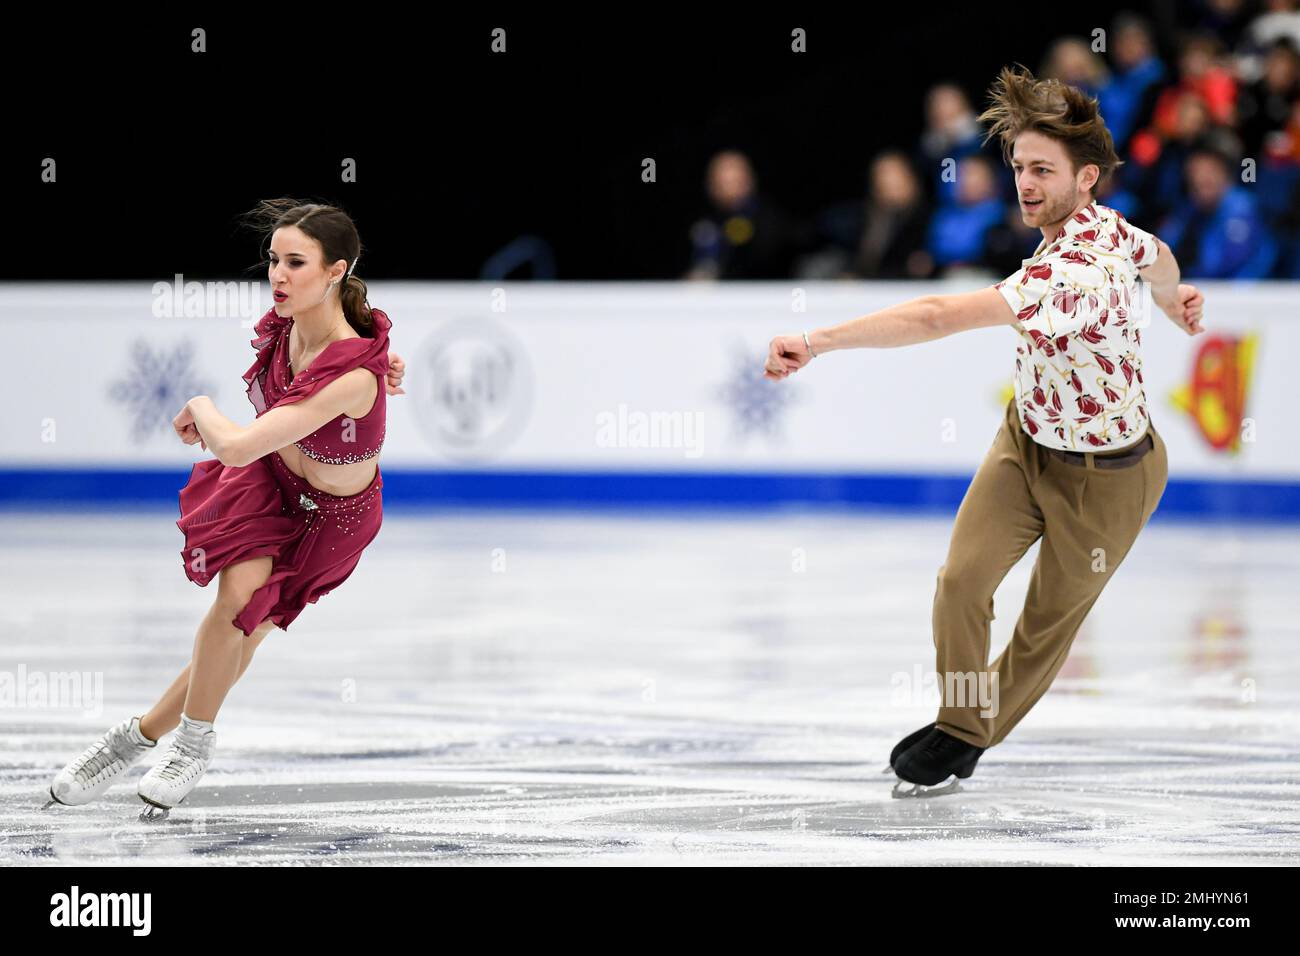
(157, 387)
(757, 403)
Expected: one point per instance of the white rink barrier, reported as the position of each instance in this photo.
(656, 388)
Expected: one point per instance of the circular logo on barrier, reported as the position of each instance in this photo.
(475, 389)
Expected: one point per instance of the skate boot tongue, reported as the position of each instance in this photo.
(195, 738)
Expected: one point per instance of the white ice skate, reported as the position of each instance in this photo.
(170, 781)
(100, 765)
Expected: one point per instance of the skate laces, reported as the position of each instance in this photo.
(103, 755)
(185, 754)
(99, 759)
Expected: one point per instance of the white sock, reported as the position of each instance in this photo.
(138, 735)
(195, 726)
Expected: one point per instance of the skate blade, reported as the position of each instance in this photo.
(906, 790)
(156, 811)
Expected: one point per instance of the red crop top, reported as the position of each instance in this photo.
(270, 384)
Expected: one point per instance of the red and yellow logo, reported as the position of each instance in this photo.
(1215, 398)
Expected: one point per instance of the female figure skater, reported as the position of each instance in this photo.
(282, 514)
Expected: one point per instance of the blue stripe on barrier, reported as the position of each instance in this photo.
(106, 489)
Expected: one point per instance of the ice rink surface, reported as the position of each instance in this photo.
(505, 687)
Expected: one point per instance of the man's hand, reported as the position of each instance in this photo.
(1184, 310)
(786, 355)
(396, 369)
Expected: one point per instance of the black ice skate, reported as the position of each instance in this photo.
(914, 737)
(935, 765)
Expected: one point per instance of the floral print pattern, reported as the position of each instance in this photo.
(1078, 377)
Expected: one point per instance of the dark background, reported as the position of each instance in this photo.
(460, 150)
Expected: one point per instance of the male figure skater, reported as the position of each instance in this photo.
(1076, 460)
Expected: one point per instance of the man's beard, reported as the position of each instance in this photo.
(1057, 210)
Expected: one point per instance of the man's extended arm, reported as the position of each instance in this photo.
(917, 320)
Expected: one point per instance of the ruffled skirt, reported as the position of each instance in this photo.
(314, 538)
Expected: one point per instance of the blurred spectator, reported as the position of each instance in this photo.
(959, 232)
(1111, 192)
(1226, 19)
(1280, 19)
(1201, 73)
(1283, 145)
(951, 133)
(1283, 161)
(1009, 243)
(1217, 232)
(1126, 99)
(1072, 61)
(1279, 188)
(1159, 158)
(1265, 105)
(744, 236)
(897, 214)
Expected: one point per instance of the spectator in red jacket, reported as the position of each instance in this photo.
(1202, 73)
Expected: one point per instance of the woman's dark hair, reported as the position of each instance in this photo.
(337, 234)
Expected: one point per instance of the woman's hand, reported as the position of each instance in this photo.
(396, 369)
(186, 429)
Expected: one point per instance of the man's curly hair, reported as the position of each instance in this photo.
(1020, 103)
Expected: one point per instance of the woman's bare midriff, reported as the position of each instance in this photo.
(343, 480)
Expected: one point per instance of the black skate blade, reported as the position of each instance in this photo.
(905, 789)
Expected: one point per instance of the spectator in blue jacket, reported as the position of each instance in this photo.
(1217, 232)
(959, 232)
(1161, 183)
(1130, 94)
(951, 133)
(1112, 193)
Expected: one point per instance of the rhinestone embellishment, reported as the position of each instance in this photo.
(307, 502)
